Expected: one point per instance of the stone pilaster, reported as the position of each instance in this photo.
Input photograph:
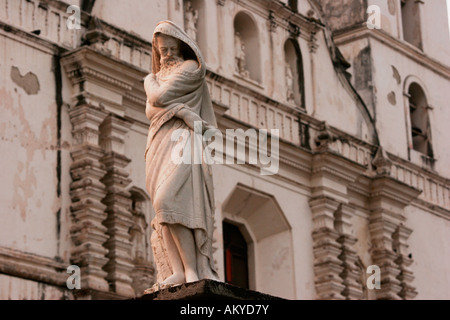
(351, 275)
(87, 192)
(388, 200)
(334, 258)
(118, 201)
(326, 249)
(381, 229)
(404, 261)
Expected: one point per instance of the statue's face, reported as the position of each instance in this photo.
(169, 48)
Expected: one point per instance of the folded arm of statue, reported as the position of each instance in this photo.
(161, 92)
(190, 117)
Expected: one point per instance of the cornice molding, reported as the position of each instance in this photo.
(329, 162)
(33, 267)
(29, 39)
(385, 186)
(86, 72)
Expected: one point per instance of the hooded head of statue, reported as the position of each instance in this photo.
(172, 46)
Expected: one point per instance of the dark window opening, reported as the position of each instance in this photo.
(411, 22)
(293, 4)
(420, 123)
(235, 256)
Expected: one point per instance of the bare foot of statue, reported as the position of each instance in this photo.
(174, 279)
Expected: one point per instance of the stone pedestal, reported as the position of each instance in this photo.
(207, 290)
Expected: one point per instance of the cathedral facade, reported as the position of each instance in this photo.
(352, 96)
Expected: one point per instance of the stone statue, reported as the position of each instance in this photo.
(289, 84)
(181, 194)
(239, 53)
(191, 17)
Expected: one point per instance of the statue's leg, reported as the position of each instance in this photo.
(177, 276)
(185, 242)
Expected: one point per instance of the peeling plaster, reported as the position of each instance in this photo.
(396, 75)
(391, 98)
(25, 181)
(28, 82)
(391, 7)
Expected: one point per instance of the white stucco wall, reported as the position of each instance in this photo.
(430, 249)
(28, 128)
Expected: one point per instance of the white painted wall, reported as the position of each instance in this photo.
(135, 16)
(28, 201)
(429, 246)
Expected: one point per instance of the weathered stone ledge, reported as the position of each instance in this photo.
(206, 290)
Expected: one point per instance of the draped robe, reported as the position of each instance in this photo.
(180, 193)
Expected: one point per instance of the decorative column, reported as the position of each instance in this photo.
(87, 192)
(118, 202)
(326, 249)
(404, 261)
(351, 275)
(388, 199)
(334, 259)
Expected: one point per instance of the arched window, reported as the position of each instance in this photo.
(411, 22)
(235, 256)
(420, 123)
(246, 47)
(294, 73)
